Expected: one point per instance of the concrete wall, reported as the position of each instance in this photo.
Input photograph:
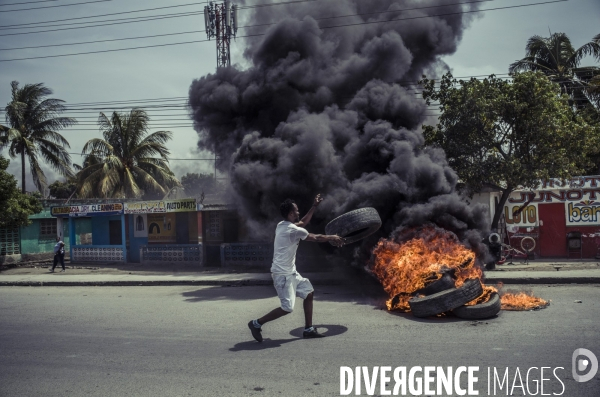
(32, 243)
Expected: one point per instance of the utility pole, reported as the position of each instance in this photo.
(221, 22)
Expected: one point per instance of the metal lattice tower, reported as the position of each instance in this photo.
(220, 21)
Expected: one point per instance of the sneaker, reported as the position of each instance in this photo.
(62, 270)
(255, 332)
(312, 334)
(51, 270)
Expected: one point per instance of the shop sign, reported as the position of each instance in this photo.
(88, 210)
(161, 228)
(515, 214)
(160, 206)
(583, 213)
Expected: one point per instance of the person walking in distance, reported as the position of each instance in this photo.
(288, 283)
(59, 255)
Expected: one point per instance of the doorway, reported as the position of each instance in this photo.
(115, 237)
(553, 230)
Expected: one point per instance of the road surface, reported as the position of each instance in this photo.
(193, 341)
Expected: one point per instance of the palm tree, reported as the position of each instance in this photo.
(556, 57)
(129, 162)
(33, 121)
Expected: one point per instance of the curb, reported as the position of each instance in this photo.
(544, 280)
(222, 283)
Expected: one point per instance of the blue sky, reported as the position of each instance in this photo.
(493, 40)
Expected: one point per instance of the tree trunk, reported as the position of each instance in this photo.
(499, 210)
(23, 171)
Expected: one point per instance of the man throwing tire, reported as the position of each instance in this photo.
(288, 283)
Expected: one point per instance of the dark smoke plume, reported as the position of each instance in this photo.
(335, 110)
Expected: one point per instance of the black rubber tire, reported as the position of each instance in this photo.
(481, 311)
(446, 300)
(355, 225)
(442, 284)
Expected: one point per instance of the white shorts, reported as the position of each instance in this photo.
(289, 287)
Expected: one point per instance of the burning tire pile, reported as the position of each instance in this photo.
(432, 273)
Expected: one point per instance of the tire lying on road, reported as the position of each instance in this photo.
(355, 225)
(481, 311)
(446, 300)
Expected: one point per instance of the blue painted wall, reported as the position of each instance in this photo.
(100, 229)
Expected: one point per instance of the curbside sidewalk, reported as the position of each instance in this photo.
(538, 272)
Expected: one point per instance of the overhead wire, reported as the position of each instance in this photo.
(26, 2)
(60, 5)
(262, 34)
(76, 107)
(160, 16)
(104, 15)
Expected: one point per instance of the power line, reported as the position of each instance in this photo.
(27, 2)
(103, 15)
(141, 19)
(126, 20)
(262, 34)
(80, 107)
(192, 159)
(176, 15)
(61, 5)
(102, 41)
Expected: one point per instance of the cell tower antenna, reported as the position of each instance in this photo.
(220, 22)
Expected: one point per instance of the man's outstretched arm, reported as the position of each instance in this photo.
(324, 238)
(306, 219)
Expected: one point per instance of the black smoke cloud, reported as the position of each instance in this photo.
(334, 110)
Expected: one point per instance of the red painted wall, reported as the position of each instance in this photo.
(553, 230)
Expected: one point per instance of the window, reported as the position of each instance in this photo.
(214, 231)
(9, 241)
(48, 228)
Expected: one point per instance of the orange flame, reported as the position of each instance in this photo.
(404, 269)
(522, 301)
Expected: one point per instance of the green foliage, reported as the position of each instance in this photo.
(129, 162)
(196, 184)
(62, 190)
(556, 57)
(15, 207)
(33, 121)
(505, 135)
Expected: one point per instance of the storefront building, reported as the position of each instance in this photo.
(164, 231)
(562, 217)
(96, 231)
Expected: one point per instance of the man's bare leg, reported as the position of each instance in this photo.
(273, 315)
(308, 310)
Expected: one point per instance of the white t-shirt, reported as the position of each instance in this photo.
(287, 238)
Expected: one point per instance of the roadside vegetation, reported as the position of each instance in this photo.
(543, 122)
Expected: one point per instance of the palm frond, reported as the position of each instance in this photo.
(148, 181)
(58, 158)
(39, 178)
(98, 147)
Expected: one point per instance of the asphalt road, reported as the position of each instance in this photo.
(193, 341)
